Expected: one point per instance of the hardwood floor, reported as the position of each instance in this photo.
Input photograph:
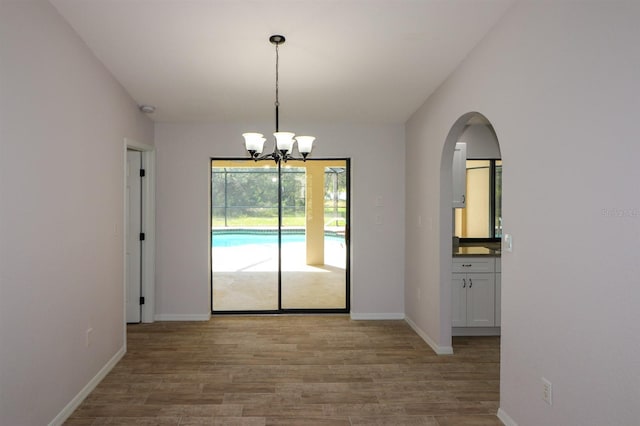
(294, 370)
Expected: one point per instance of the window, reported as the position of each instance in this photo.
(482, 216)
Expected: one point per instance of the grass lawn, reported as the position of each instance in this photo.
(249, 222)
(287, 220)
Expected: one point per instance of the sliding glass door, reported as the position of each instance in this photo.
(314, 267)
(279, 236)
(244, 238)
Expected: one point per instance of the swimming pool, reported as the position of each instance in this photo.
(234, 239)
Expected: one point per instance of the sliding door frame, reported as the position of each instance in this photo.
(347, 239)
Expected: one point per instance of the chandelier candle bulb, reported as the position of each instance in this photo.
(284, 141)
(261, 145)
(305, 144)
(254, 143)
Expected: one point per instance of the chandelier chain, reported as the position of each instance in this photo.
(277, 104)
(277, 79)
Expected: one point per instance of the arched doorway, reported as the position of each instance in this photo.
(471, 229)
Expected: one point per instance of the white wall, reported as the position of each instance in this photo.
(63, 120)
(559, 82)
(183, 224)
(481, 142)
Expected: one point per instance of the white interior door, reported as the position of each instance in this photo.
(133, 230)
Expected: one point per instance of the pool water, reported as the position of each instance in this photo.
(240, 239)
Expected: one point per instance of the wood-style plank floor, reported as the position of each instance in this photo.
(294, 370)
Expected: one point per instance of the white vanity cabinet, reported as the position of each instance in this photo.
(473, 294)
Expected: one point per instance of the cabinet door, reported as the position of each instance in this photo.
(481, 300)
(498, 299)
(459, 168)
(459, 300)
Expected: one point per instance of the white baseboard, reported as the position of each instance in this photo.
(475, 331)
(383, 316)
(505, 418)
(440, 350)
(182, 317)
(77, 400)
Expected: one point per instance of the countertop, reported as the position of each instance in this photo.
(476, 250)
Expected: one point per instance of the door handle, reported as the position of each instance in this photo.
(470, 283)
(464, 283)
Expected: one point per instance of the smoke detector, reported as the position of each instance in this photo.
(147, 109)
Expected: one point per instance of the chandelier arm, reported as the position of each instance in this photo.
(270, 156)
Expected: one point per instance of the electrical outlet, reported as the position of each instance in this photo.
(88, 340)
(547, 391)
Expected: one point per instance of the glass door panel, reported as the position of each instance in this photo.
(314, 224)
(244, 236)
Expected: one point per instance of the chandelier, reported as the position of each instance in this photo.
(284, 143)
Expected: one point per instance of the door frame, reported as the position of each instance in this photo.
(132, 227)
(148, 254)
(280, 310)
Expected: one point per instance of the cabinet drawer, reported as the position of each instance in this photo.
(474, 264)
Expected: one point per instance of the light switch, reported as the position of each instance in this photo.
(508, 243)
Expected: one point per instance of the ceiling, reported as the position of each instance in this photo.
(348, 61)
